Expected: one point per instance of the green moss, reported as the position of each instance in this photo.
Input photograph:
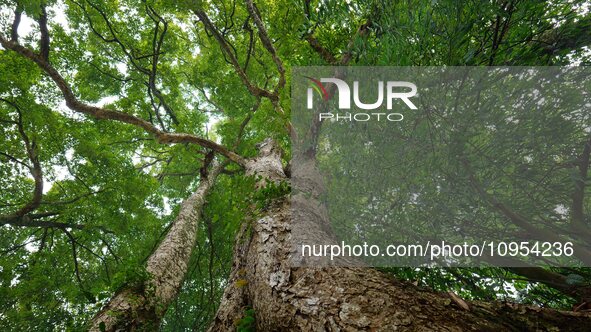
(248, 322)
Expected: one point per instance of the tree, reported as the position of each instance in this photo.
(119, 120)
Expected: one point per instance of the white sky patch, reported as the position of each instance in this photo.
(26, 26)
(575, 60)
(561, 210)
(58, 173)
(106, 100)
(212, 120)
(31, 247)
(167, 208)
(32, 244)
(60, 16)
(122, 68)
(135, 158)
(69, 113)
(210, 127)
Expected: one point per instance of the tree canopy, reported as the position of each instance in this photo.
(111, 112)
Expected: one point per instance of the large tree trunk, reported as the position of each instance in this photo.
(141, 307)
(287, 298)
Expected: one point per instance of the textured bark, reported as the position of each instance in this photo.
(141, 307)
(288, 298)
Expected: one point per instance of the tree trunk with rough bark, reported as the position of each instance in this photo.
(287, 298)
(141, 307)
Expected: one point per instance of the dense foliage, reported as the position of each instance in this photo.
(108, 191)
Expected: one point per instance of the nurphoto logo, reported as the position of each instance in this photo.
(391, 90)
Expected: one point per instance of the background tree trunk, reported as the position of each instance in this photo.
(141, 307)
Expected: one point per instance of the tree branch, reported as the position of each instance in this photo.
(32, 220)
(34, 169)
(157, 41)
(264, 36)
(253, 89)
(15, 23)
(517, 219)
(578, 213)
(76, 268)
(74, 199)
(323, 52)
(102, 113)
(114, 38)
(14, 159)
(44, 42)
(567, 37)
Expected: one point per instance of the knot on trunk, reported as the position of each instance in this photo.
(267, 165)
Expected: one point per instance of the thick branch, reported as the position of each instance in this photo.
(363, 32)
(314, 130)
(101, 113)
(314, 43)
(17, 20)
(30, 220)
